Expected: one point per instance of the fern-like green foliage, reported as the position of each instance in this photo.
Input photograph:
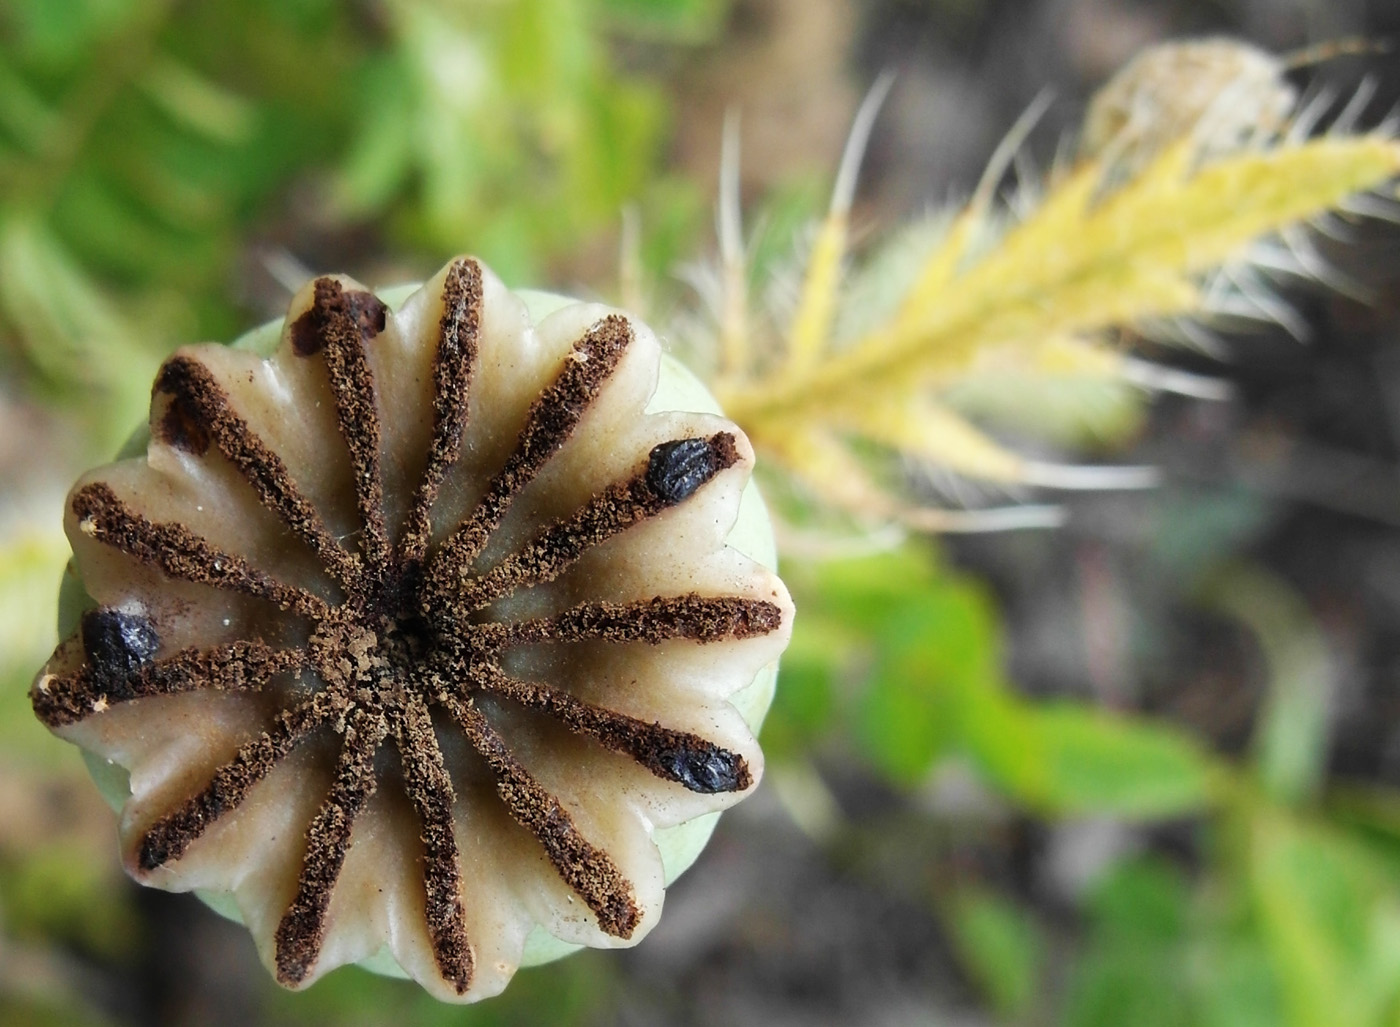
(501, 124)
(142, 143)
(138, 141)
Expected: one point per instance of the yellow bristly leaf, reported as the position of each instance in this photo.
(825, 466)
(1058, 356)
(1082, 263)
(1057, 219)
(1068, 356)
(811, 325)
(943, 266)
(945, 262)
(925, 430)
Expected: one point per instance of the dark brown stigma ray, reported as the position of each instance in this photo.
(584, 867)
(300, 933)
(694, 617)
(168, 838)
(338, 325)
(459, 332)
(181, 554)
(615, 509)
(679, 756)
(551, 420)
(236, 666)
(200, 413)
(429, 788)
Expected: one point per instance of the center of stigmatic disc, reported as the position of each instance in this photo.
(404, 645)
(404, 637)
(375, 644)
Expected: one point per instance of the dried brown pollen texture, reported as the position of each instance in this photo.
(412, 634)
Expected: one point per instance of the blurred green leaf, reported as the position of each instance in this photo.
(896, 648)
(1291, 737)
(60, 891)
(1233, 982)
(911, 653)
(1330, 917)
(1164, 951)
(804, 704)
(31, 563)
(574, 991)
(132, 158)
(52, 32)
(930, 665)
(48, 1011)
(1067, 759)
(1000, 946)
(197, 103)
(1134, 970)
(691, 21)
(1370, 814)
(786, 212)
(379, 159)
(500, 129)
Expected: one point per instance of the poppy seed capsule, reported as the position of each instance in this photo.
(434, 640)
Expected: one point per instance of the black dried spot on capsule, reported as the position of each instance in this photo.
(118, 645)
(707, 769)
(154, 853)
(676, 469)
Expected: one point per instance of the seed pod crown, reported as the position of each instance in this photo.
(420, 638)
